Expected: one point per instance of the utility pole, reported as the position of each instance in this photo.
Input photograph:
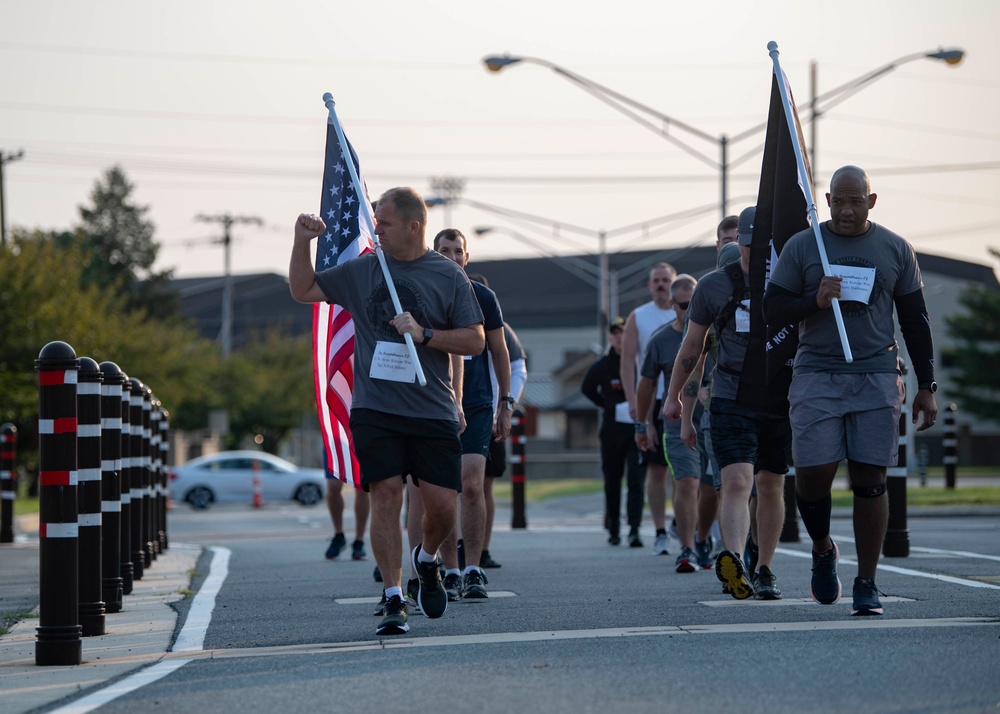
(5, 159)
(228, 220)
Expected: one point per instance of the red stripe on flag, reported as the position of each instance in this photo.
(54, 478)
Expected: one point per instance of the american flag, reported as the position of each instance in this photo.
(347, 236)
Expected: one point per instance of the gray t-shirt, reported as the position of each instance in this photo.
(438, 295)
(661, 352)
(883, 267)
(710, 298)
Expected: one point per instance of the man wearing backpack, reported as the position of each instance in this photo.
(745, 441)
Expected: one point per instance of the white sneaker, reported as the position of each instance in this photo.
(660, 546)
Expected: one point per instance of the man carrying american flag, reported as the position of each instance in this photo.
(397, 426)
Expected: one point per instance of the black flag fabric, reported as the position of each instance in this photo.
(782, 212)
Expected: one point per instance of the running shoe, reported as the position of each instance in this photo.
(377, 575)
(486, 561)
(337, 544)
(394, 619)
(431, 597)
(474, 585)
(614, 539)
(634, 541)
(660, 544)
(703, 549)
(453, 586)
(730, 572)
(765, 585)
(687, 561)
(358, 550)
(412, 589)
(825, 585)
(380, 610)
(866, 600)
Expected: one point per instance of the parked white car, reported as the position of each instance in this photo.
(228, 477)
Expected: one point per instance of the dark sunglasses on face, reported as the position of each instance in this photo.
(682, 305)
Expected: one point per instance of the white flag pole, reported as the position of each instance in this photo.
(786, 102)
(365, 209)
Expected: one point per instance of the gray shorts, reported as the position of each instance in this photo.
(683, 461)
(841, 415)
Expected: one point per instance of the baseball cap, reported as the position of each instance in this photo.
(746, 224)
(730, 253)
(617, 324)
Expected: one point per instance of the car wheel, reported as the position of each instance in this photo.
(308, 494)
(200, 498)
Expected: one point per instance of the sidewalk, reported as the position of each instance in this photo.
(137, 636)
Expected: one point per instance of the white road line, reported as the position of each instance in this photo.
(192, 636)
(939, 551)
(140, 679)
(730, 602)
(902, 571)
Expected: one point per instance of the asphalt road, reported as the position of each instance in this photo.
(574, 625)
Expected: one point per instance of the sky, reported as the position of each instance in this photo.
(215, 107)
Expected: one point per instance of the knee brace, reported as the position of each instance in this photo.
(869, 491)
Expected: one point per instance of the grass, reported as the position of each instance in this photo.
(539, 491)
(10, 618)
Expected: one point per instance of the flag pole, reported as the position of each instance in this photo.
(786, 103)
(365, 209)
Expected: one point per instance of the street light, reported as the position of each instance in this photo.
(952, 56)
(629, 107)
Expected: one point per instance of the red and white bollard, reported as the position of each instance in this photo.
(258, 493)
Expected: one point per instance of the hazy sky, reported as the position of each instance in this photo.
(214, 106)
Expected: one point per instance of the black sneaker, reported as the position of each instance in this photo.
(431, 597)
(703, 549)
(337, 544)
(377, 575)
(825, 585)
(380, 610)
(461, 554)
(486, 561)
(474, 585)
(866, 600)
(687, 561)
(750, 554)
(394, 619)
(765, 585)
(412, 589)
(358, 550)
(614, 539)
(730, 572)
(453, 586)
(634, 541)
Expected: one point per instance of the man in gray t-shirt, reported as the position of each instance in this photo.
(841, 409)
(397, 426)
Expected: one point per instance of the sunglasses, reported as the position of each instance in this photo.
(682, 305)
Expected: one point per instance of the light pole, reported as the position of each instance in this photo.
(951, 56)
(662, 124)
(5, 159)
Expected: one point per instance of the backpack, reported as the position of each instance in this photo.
(735, 273)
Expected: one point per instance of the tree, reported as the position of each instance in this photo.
(975, 354)
(119, 239)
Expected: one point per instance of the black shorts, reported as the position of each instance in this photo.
(389, 445)
(497, 462)
(744, 436)
(478, 431)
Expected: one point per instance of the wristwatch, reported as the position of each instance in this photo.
(929, 386)
(428, 334)
(508, 400)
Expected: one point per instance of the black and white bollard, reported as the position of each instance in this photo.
(138, 527)
(88, 457)
(148, 549)
(125, 477)
(8, 481)
(164, 486)
(58, 632)
(897, 533)
(518, 478)
(950, 444)
(111, 486)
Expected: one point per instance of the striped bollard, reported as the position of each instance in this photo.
(88, 456)
(58, 632)
(518, 518)
(125, 478)
(157, 471)
(164, 460)
(111, 486)
(149, 550)
(897, 532)
(950, 444)
(138, 528)
(8, 481)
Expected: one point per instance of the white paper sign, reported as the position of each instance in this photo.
(743, 316)
(621, 413)
(391, 362)
(858, 282)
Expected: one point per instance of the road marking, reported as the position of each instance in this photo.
(192, 636)
(126, 686)
(375, 600)
(902, 571)
(731, 602)
(939, 551)
(592, 634)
